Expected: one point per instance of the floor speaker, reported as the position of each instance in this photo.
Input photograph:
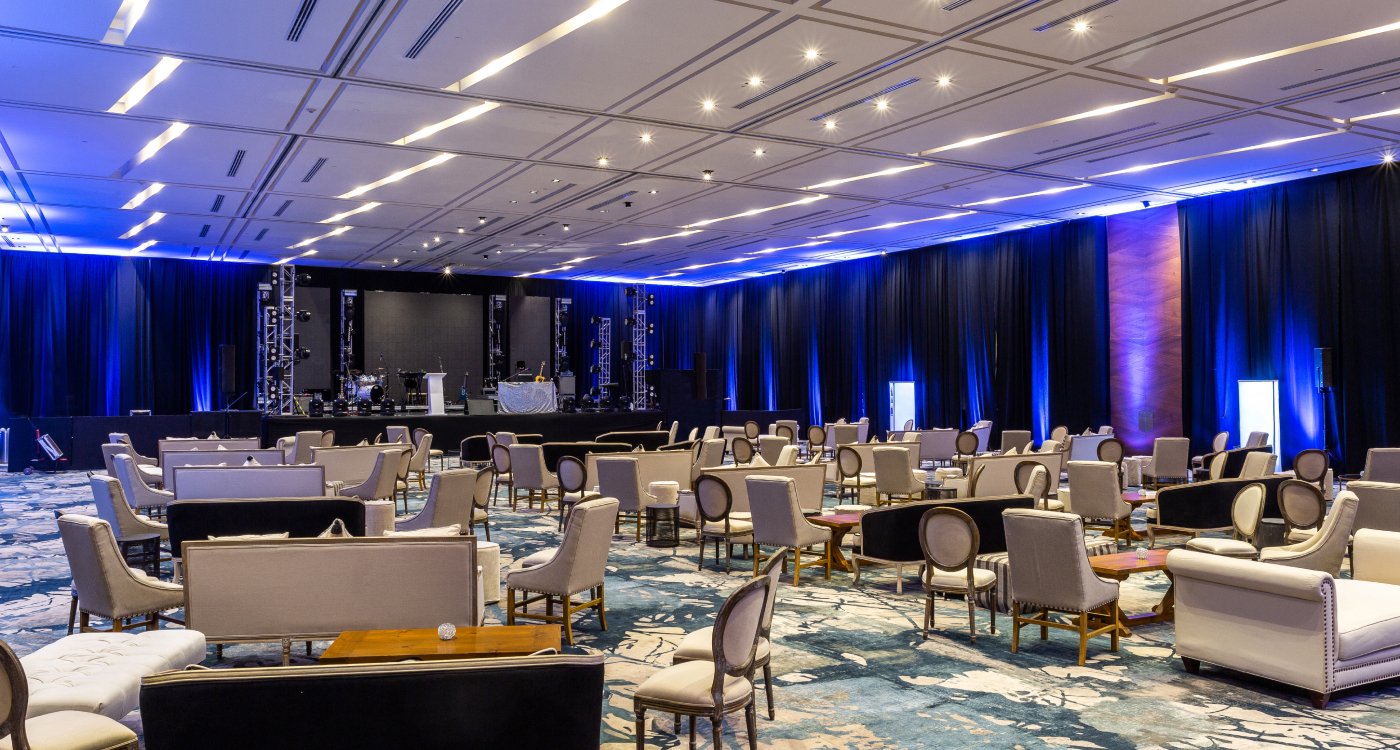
(1322, 367)
(228, 368)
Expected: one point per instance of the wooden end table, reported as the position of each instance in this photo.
(1120, 565)
(840, 525)
(423, 644)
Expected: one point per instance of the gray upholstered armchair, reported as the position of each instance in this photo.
(1097, 497)
(579, 566)
(113, 508)
(149, 473)
(1327, 548)
(451, 500)
(138, 492)
(379, 485)
(778, 522)
(105, 585)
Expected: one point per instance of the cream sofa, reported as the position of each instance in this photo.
(171, 460)
(999, 473)
(652, 466)
(810, 480)
(1299, 627)
(351, 464)
(167, 445)
(248, 482)
(303, 589)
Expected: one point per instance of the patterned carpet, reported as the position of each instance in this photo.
(851, 669)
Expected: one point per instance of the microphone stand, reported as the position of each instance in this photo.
(228, 406)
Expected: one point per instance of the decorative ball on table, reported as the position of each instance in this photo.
(447, 631)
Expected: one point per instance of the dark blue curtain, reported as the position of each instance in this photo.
(1011, 328)
(93, 335)
(1269, 274)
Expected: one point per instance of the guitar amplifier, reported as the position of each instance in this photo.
(479, 406)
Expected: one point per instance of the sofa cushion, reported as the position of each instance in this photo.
(101, 672)
(1368, 617)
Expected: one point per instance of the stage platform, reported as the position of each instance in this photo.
(450, 429)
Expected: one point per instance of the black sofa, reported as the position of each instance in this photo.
(1201, 506)
(196, 520)
(475, 703)
(1234, 462)
(647, 440)
(555, 451)
(892, 534)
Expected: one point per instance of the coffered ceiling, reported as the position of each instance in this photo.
(676, 141)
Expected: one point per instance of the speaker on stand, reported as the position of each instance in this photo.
(1323, 380)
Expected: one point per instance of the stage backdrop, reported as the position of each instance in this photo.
(414, 331)
(90, 335)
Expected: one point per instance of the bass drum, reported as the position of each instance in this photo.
(376, 394)
(365, 385)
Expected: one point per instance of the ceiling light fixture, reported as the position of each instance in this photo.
(1372, 116)
(333, 233)
(143, 86)
(646, 138)
(882, 104)
(651, 192)
(1232, 64)
(755, 81)
(602, 161)
(144, 195)
(461, 230)
(128, 13)
(154, 145)
(590, 14)
(482, 219)
(566, 227)
(893, 224)
(132, 232)
(447, 270)
(399, 175)
(811, 54)
(1100, 112)
(708, 105)
(758, 152)
(286, 260)
(1388, 157)
(468, 114)
(1256, 147)
(343, 215)
(1003, 199)
(867, 176)
(830, 124)
(755, 212)
(1080, 26)
(143, 246)
(644, 241)
(708, 174)
(944, 80)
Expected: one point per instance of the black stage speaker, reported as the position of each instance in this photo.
(701, 391)
(1322, 367)
(386, 407)
(317, 408)
(228, 368)
(340, 408)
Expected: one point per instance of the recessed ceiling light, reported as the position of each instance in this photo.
(646, 137)
(482, 219)
(425, 245)
(590, 14)
(944, 80)
(602, 161)
(515, 201)
(1388, 157)
(882, 104)
(758, 152)
(399, 175)
(128, 13)
(447, 270)
(144, 195)
(461, 230)
(132, 232)
(437, 239)
(556, 179)
(651, 192)
(812, 53)
(755, 81)
(343, 215)
(1080, 26)
(708, 105)
(396, 260)
(566, 227)
(708, 174)
(145, 84)
(830, 124)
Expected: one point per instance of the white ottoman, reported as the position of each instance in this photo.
(488, 558)
(379, 517)
(1132, 472)
(100, 673)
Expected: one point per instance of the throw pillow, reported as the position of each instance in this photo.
(336, 530)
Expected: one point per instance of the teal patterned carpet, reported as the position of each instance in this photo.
(851, 669)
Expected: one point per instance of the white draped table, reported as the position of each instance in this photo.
(526, 398)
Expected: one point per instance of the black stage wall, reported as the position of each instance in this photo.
(404, 331)
(321, 336)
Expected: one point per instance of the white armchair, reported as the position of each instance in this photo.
(1382, 465)
(1258, 464)
(893, 477)
(1171, 461)
(137, 492)
(105, 585)
(778, 522)
(149, 473)
(578, 566)
(1326, 549)
(379, 485)
(113, 508)
(770, 447)
(1304, 628)
(451, 500)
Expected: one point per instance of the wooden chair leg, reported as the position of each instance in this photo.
(715, 724)
(602, 609)
(796, 569)
(1015, 626)
(510, 606)
(992, 594)
(1083, 636)
(971, 616)
(929, 614)
(768, 688)
(749, 725)
(641, 713)
(72, 612)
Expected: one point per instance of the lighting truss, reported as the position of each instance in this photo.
(276, 341)
(602, 354)
(638, 322)
(495, 350)
(349, 298)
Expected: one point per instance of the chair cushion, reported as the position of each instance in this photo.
(1221, 546)
(478, 515)
(865, 479)
(1055, 505)
(942, 579)
(1300, 535)
(696, 646)
(74, 730)
(689, 684)
(538, 558)
(735, 527)
(100, 673)
(1368, 617)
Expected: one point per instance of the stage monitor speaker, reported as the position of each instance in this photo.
(478, 406)
(701, 391)
(1322, 367)
(228, 368)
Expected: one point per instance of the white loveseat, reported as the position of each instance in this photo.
(1299, 627)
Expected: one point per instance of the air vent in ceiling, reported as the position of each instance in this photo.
(638, 259)
(840, 221)
(433, 29)
(218, 203)
(866, 100)
(486, 224)
(954, 4)
(282, 208)
(1076, 14)
(204, 231)
(803, 217)
(1360, 97)
(556, 191)
(1153, 147)
(237, 162)
(540, 228)
(310, 173)
(1114, 134)
(299, 23)
(711, 240)
(1340, 73)
(610, 201)
(775, 88)
(261, 235)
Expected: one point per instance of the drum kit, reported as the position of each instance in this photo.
(365, 386)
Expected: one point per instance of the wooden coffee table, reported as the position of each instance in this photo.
(1119, 566)
(370, 646)
(840, 525)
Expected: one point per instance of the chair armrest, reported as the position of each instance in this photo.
(1375, 556)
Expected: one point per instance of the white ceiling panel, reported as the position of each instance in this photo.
(918, 17)
(255, 30)
(300, 208)
(623, 145)
(1112, 26)
(839, 165)
(84, 19)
